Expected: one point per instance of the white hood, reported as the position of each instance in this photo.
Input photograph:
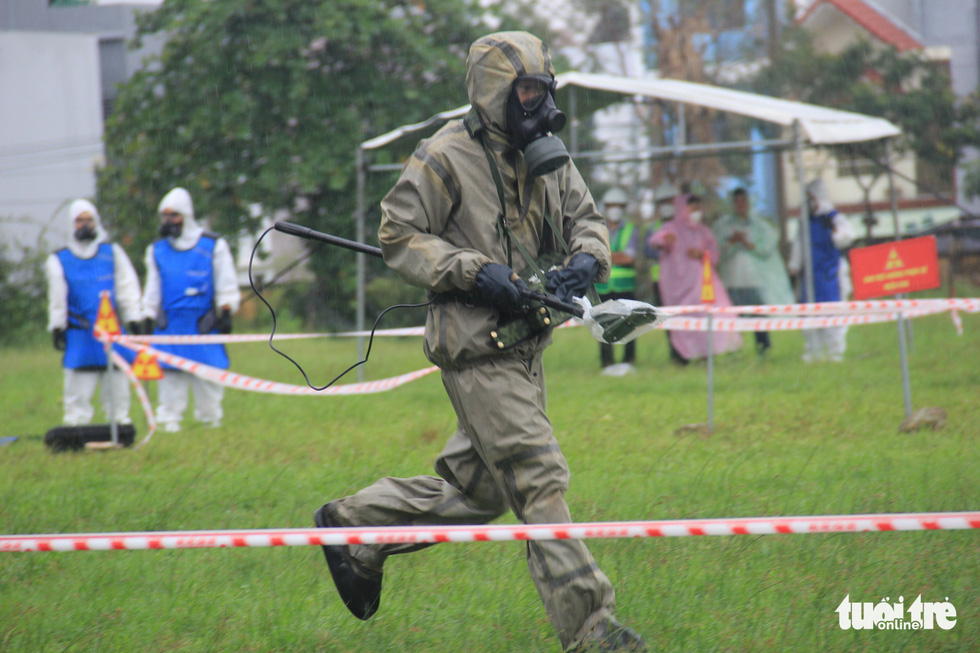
(88, 248)
(179, 201)
(818, 189)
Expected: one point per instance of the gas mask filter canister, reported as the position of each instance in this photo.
(85, 233)
(532, 121)
(170, 229)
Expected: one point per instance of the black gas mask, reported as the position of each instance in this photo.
(532, 121)
(172, 226)
(85, 233)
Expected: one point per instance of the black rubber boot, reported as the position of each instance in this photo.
(610, 635)
(358, 586)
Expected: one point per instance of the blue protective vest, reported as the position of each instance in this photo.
(826, 259)
(86, 279)
(186, 295)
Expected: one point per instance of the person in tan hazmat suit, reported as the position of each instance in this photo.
(480, 200)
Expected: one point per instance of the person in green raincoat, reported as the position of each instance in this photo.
(750, 264)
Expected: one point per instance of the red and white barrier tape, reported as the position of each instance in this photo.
(806, 316)
(922, 521)
(259, 337)
(957, 321)
(969, 305)
(816, 316)
(151, 421)
(243, 382)
(682, 323)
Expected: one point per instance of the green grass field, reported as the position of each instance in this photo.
(789, 440)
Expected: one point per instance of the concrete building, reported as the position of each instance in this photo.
(952, 24)
(60, 63)
(947, 33)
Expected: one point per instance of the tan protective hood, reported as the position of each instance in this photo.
(494, 62)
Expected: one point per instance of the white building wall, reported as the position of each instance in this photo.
(50, 131)
(951, 23)
(833, 32)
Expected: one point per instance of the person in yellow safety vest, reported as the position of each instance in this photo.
(663, 205)
(623, 242)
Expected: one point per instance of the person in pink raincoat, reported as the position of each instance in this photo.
(682, 243)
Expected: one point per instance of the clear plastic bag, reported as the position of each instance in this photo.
(619, 321)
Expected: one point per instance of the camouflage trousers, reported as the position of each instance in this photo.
(504, 455)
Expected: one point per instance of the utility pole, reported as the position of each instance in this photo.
(774, 49)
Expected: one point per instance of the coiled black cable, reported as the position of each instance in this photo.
(272, 311)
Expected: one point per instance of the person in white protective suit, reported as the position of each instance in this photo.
(830, 232)
(191, 289)
(76, 276)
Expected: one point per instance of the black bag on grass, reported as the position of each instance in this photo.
(73, 438)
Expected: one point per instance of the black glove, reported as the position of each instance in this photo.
(223, 324)
(60, 341)
(573, 280)
(494, 284)
(134, 328)
(148, 326)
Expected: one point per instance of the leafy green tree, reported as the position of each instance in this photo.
(970, 109)
(266, 101)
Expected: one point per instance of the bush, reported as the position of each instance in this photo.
(382, 292)
(22, 295)
(254, 316)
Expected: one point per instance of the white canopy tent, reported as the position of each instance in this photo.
(586, 92)
(820, 125)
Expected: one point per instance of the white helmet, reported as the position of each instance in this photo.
(615, 195)
(664, 191)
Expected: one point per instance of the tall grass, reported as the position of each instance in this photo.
(789, 439)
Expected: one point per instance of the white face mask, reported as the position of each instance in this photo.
(695, 216)
(614, 213)
(667, 211)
